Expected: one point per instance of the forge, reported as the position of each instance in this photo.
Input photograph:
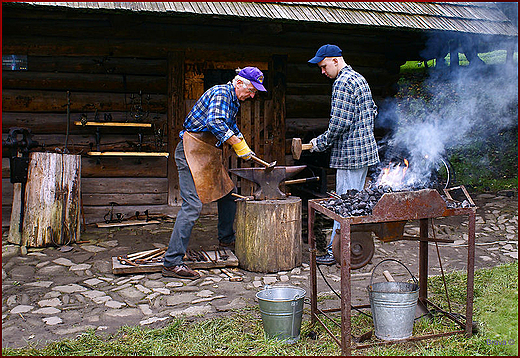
(387, 219)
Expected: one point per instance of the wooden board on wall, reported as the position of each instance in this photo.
(56, 123)
(56, 101)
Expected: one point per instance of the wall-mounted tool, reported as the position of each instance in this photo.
(18, 142)
(110, 217)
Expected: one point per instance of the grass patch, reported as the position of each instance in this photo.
(241, 334)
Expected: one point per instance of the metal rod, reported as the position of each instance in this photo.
(330, 318)
(442, 270)
(326, 328)
(411, 339)
(471, 273)
(447, 314)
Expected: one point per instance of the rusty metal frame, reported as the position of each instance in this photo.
(419, 205)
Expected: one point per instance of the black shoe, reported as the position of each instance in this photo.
(326, 259)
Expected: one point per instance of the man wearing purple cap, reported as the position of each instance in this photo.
(202, 177)
(351, 128)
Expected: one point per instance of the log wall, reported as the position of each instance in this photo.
(105, 58)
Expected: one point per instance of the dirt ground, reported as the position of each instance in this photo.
(49, 295)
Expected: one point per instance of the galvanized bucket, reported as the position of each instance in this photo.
(282, 309)
(393, 306)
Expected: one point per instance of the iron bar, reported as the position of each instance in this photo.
(447, 314)
(442, 270)
(411, 339)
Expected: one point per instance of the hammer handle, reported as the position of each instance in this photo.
(306, 146)
(303, 180)
(242, 196)
(259, 161)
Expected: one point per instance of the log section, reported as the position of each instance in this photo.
(268, 234)
(52, 200)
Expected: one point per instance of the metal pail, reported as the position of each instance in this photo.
(282, 310)
(393, 306)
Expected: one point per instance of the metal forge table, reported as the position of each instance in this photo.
(388, 217)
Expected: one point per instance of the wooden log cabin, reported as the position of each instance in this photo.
(73, 70)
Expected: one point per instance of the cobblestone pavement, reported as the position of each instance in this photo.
(49, 295)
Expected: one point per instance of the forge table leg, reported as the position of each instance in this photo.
(423, 260)
(346, 333)
(312, 244)
(471, 274)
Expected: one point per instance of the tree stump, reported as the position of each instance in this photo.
(269, 234)
(52, 201)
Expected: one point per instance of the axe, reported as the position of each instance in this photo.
(297, 147)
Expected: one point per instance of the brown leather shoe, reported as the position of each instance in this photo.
(180, 271)
(227, 245)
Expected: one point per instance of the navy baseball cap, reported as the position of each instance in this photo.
(254, 75)
(326, 51)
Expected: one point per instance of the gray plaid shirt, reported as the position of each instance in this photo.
(351, 124)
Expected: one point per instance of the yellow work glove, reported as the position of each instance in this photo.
(242, 149)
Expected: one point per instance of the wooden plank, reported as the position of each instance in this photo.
(95, 199)
(106, 166)
(129, 154)
(128, 223)
(232, 261)
(123, 185)
(97, 64)
(83, 82)
(245, 126)
(176, 110)
(6, 168)
(15, 235)
(55, 101)
(114, 124)
(7, 192)
(81, 143)
(43, 123)
(278, 82)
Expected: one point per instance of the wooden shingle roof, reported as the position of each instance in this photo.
(466, 17)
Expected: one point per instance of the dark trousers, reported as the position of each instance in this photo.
(190, 212)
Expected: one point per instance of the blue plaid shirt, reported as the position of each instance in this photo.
(215, 112)
(351, 124)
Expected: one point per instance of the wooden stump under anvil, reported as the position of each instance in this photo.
(269, 234)
(52, 202)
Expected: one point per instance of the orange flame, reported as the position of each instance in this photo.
(393, 175)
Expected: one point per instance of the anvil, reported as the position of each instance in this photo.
(268, 181)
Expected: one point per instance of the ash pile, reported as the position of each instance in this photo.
(454, 204)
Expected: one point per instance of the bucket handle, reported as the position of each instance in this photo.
(399, 262)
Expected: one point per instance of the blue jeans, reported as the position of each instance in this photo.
(347, 179)
(190, 212)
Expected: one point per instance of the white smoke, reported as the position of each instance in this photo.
(473, 101)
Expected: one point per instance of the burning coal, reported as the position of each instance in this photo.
(362, 202)
(355, 202)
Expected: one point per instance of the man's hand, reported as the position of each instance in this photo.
(314, 145)
(242, 149)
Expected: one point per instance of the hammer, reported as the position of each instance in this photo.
(297, 147)
(268, 166)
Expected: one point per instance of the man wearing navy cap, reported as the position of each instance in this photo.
(351, 128)
(202, 177)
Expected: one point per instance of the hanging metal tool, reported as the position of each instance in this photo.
(19, 142)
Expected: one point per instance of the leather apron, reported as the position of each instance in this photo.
(205, 161)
